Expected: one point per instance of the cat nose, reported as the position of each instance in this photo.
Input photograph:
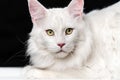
(61, 44)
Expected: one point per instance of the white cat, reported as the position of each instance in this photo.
(66, 43)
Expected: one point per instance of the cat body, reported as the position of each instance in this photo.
(66, 43)
(105, 31)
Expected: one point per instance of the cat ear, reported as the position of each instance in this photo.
(75, 7)
(37, 11)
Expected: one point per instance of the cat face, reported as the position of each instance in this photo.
(56, 30)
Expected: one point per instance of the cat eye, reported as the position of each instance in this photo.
(50, 32)
(69, 31)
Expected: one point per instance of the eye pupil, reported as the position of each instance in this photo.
(69, 30)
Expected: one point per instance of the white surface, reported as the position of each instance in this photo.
(11, 74)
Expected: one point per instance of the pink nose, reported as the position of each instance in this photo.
(61, 45)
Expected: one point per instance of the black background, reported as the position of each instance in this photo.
(16, 23)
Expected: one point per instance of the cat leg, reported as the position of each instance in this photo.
(32, 73)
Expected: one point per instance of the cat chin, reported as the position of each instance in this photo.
(61, 55)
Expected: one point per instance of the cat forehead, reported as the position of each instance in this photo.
(57, 10)
(58, 13)
(58, 16)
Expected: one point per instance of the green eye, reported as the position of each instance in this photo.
(69, 31)
(50, 32)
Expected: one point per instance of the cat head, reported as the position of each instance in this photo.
(56, 30)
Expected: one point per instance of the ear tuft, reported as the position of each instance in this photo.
(37, 11)
(75, 8)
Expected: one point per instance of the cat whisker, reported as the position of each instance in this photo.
(71, 53)
(23, 42)
(8, 60)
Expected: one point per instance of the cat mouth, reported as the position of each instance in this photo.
(61, 51)
(62, 54)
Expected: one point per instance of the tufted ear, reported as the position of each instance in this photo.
(37, 10)
(75, 8)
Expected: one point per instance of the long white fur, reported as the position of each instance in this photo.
(95, 44)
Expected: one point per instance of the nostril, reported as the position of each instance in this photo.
(61, 44)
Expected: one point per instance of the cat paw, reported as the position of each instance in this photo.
(32, 73)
